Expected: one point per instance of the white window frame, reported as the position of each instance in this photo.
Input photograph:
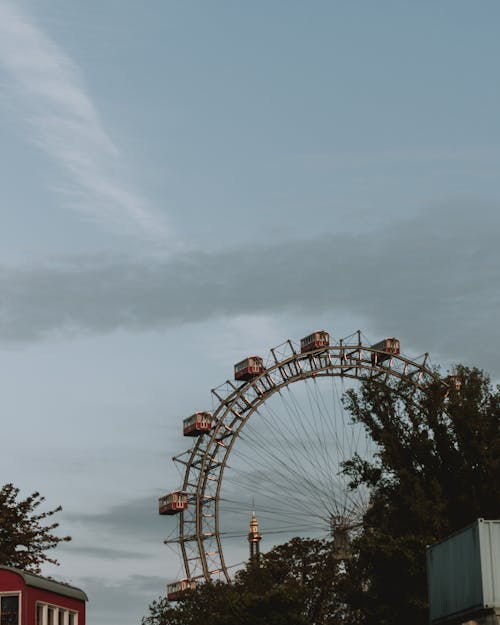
(56, 608)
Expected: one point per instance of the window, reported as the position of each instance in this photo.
(53, 615)
(9, 610)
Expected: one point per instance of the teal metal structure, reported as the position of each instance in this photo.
(463, 574)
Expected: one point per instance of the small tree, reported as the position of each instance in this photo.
(24, 539)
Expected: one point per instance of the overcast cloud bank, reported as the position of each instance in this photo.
(433, 279)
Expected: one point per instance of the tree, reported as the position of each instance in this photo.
(305, 570)
(211, 604)
(24, 539)
(436, 470)
(293, 585)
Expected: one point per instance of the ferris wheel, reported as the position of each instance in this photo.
(275, 443)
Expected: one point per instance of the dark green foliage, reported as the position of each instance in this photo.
(295, 585)
(437, 470)
(24, 539)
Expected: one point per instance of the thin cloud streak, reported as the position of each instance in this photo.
(67, 128)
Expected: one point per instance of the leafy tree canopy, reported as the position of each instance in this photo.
(295, 584)
(24, 537)
(437, 469)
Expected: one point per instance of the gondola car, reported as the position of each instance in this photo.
(248, 369)
(197, 424)
(178, 589)
(28, 599)
(390, 347)
(173, 503)
(314, 341)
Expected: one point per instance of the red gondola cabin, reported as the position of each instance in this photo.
(28, 599)
(389, 346)
(197, 424)
(313, 341)
(178, 589)
(249, 368)
(173, 502)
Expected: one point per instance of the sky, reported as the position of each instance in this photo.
(185, 183)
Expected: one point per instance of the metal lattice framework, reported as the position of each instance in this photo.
(204, 465)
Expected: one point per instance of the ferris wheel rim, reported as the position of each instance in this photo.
(343, 364)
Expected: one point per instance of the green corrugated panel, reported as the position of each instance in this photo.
(489, 541)
(463, 571)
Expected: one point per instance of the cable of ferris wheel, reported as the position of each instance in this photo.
(279, 497)
(287, 476)
(273, 513)
(286, 506)
(323, 421)
(311, 447)
(263, 510)
(318, 418)
(270, 531)
(274, 423)
(262, 454)
(327, 479)
(354, 497)
(324, 476)
(290, 477)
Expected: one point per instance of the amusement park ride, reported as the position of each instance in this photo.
(284, 425)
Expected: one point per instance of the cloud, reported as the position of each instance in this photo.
(107, 553)
(432, 279)
(137, 519)
(67, 127)
(126, 601)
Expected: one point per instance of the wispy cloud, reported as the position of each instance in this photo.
(67, 127)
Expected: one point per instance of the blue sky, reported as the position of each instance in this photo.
(185, 183)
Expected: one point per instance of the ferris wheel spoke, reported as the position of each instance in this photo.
(241, 507)
(274, 497)
(333, 477)
(274, 476)
(325, 418)
(317, 468)
(314, 445)
(287, 448)
(284, 470)
(292, 468)
(273, 491)
(289, 436)
(283, 449)
(312, 448)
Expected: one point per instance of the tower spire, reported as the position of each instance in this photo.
(254, 538)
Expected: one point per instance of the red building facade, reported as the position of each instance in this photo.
(28, 599)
